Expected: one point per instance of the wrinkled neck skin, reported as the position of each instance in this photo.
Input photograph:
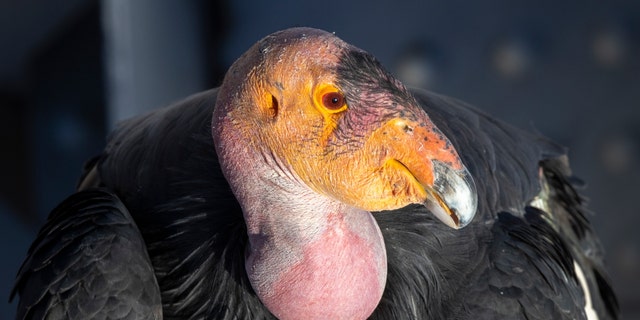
(309, 256)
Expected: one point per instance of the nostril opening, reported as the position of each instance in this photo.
(274, 105)
(402, 125)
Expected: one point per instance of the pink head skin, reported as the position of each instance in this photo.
(307, 160)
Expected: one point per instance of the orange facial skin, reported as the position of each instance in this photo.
(313, 134)
(373, 152)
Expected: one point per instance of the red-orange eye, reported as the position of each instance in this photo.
(333, 100)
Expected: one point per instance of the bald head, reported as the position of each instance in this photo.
(312, 133)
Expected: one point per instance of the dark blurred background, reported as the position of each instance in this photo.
(70, 69)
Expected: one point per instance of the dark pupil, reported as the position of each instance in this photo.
(333, 100)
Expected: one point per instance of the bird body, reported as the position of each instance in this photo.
(249, 202)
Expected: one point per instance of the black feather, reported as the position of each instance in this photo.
(88, 261)
(513, 261)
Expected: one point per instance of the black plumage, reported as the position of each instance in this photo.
(160, 172)
(89, 262)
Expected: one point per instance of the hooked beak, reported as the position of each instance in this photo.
(452, 198)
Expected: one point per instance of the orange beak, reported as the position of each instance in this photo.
(420, 150)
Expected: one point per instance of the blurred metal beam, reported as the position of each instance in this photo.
(153, 54)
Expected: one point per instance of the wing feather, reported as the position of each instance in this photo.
(88, 261)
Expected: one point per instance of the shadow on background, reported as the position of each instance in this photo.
(70, 69)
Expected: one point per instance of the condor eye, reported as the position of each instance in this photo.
(333, 100)
(329, 99)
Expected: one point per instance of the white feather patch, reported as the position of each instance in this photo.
(588, 308)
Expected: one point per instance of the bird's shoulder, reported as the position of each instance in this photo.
(74, 269)
(165, 168)
(503, 159)
(144, 154)
(532, 250)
